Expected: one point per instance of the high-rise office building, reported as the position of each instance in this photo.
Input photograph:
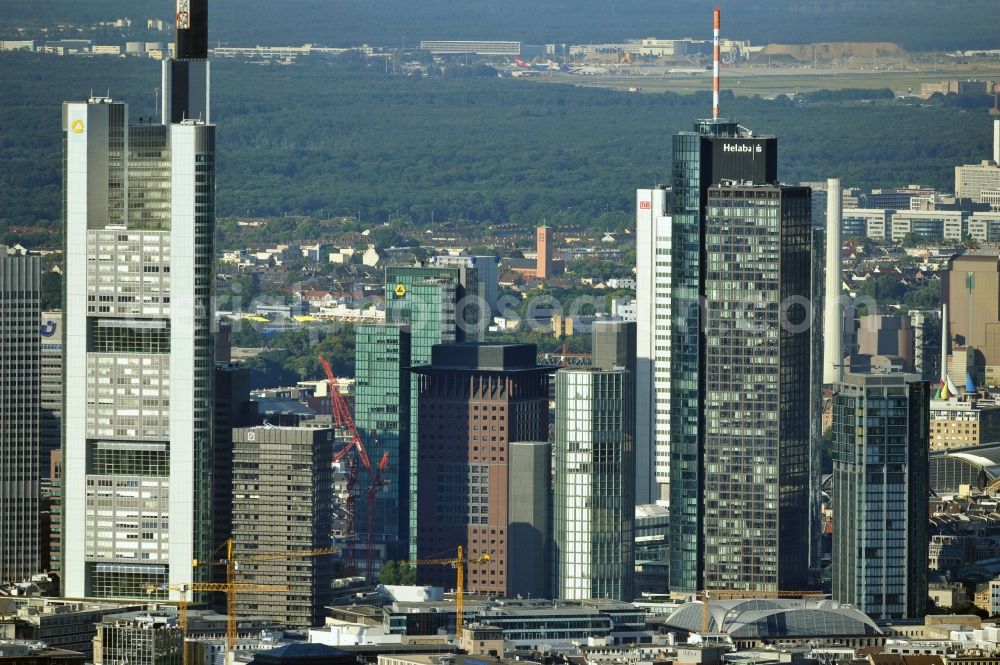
(487, 270)
(757, 389)
(671, 292)
(283, 503)
(139, 230)
(971, 290)
(50, 440)
(232, 409)
(438, 304)
(653, 341)
(594, 505)
(56, 507)
(880, 470)
(382, 408)
(51, 387)
(20, 393)
(817, 356)
(474, 402)
(529, 518)
(613, 345)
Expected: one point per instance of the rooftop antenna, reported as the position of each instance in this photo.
(715, 64)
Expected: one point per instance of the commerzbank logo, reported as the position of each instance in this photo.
(77, 126)
(399, 291)
(741, 147)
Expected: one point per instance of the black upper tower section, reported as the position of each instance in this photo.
(192, 29)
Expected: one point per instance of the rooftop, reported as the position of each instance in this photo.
(773, 619)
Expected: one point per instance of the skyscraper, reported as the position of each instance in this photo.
(594, 506)
(670, 293)
(382, 408)
(52, 382)
(614, 345)
(971, 290)
(140, 228)
(438, 304)
(474, 402)
(529, 518)
(880, 471)
(232, 409)
(757, 408)
(20, 364)
(682, 363)
(283, 503)
(654, 282)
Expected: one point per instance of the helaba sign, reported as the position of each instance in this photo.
(744, 159)
(742, 147)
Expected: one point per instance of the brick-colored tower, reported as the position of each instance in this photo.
(474, 400)
(543, 266)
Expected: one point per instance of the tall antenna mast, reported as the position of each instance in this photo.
(715, 64)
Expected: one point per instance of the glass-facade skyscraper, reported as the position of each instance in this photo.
(716, 150)
(20, 402)
(757, 366)
(382, 408)
(425, 305)
(139, 209)
(695, 376)
(880, 471)
(594, 506)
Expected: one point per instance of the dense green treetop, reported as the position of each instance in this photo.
(341, 139)
(917, 24)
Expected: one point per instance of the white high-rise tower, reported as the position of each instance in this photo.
(833, 317)
(653, 312)
(140, 226)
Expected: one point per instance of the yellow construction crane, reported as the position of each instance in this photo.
(459, 563)
(230, 587)
(182, 602)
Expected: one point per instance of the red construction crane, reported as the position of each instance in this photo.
(376, 485)
(343, 420)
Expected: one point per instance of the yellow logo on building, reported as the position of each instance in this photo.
(400, 291)
(77, 126)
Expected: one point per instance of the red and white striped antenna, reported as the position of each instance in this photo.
(715, 64)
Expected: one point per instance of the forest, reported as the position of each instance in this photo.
(916, 24)
(329, 139)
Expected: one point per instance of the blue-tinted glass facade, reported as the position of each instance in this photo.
(382, 415)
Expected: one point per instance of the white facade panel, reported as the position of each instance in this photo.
(653, 312)
(182, 362)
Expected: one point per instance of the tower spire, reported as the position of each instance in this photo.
(716, 51)
(186, 82)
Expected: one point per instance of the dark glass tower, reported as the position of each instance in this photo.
(186, 75)
(382, 408)
(716, 151)
(756, 406)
